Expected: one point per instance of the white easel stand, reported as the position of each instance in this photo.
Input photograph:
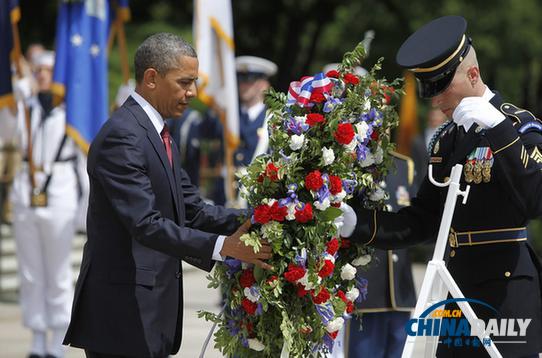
(438, 281)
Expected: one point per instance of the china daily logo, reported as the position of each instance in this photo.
(456, 329)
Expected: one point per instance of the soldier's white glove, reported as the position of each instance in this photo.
(349, 220)
(124, 92)
(478, 110)
(22, 88)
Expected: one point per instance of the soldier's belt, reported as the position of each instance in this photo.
(486, 237)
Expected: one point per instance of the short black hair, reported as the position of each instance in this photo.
(160, 51)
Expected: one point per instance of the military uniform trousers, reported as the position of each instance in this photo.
(43, 238)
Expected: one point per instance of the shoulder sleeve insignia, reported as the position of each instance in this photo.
(518, 115)
(438, 133)
(530, 127)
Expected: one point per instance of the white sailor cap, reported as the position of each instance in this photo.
(360, 71)
(251, 68)
(45, 59)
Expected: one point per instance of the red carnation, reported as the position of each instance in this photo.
(271, 279)
(301, 292)
(314, 181)
(317, 97)
(336, 184)
(342, 296)
(294, 273)
(321, 297)
(349, 307)
(333, 335)
(249, 306)
(314, 118)
(336, 205)
(302, 216)
(344, 133)
(388, 92)
(332, 246)
(262, 214)
(271, 171)
(345, 243)
(351, 78)
(247, 278)
(375, 135)
(327, 269)
(332, 73)
(278, 213)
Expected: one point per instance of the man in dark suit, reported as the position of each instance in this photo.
(145, 216)
(499, 146)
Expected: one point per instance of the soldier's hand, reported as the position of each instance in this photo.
(478, 110)
(237, 249)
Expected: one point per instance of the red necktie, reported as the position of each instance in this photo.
(166, 138)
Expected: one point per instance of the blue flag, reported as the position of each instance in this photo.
(9, 14)
(80, 74)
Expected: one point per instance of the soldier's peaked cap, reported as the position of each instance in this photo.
(434, 52)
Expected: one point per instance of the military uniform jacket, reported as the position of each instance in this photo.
(144, 217)
(251, 132)
(390, 282)
(504, 272)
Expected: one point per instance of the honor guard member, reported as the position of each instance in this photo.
(499, 146)
(253, 80)
(185, 131)
(44, 199)
(379, 330)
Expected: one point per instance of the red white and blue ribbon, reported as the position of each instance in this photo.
(300, 91)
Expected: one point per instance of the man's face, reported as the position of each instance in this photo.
(44, 77)
(458, 89)
(251, 91)
(176, 88)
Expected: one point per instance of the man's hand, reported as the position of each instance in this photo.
(479, 110)
(237, 249)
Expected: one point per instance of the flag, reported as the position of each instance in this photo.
(408, 116)
(213, 29)
(9, 15)
(80, 73)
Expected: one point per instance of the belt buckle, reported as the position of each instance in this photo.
(452, 239)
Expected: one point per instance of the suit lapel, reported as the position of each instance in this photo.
(156, 142)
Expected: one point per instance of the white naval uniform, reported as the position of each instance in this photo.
(44, 235)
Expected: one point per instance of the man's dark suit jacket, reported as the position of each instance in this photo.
(143, 219)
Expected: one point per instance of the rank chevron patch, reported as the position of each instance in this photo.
(536, 155)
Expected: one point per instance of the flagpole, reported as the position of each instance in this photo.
(123, 50)
(229, 145)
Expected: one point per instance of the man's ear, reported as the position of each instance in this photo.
(149, 78)
(473, 74)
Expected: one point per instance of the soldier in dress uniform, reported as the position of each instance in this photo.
(253, 80)
(44, 198)
(379, 332)
(500, 147)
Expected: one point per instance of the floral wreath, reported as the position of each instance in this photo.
(329, 140)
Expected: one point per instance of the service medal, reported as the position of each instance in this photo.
(478, 172)
(467, 170)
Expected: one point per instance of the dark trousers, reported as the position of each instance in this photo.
(90, 354)
(383, 335)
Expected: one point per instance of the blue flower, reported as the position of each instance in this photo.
(331, 103)
(349, 185)
(361, 284)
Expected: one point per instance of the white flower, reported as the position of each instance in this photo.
(308, 284)
(328, 156)
(367, 105)
(369, 160)
(379, 155)
(255, 344)
(322, 205)
(377, 195)
(335, 325)
(352, 145)
(348, 272)
(362, 260)
(339, 197)
(362, 128)
(296, 141)
(352, 294)
(252, 294)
